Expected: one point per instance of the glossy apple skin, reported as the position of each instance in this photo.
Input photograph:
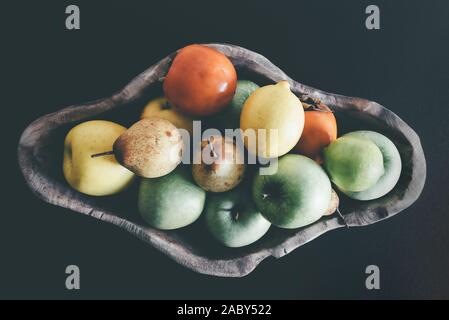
(232, 218)
(172, 201)
(353, 164)
(392, 166)
(201, 81)
(298, 194)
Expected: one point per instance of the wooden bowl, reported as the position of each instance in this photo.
(40, 157)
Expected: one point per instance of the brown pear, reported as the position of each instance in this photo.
(222, 165)
(150, 148)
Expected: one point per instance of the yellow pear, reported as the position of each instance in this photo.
(94, 176)
(161, 108)
(277, 117)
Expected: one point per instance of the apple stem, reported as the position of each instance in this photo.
(102, 154)
(342, 217)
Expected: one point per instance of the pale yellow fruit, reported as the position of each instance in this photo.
(273, 107)
(161, 108)
(100, 176)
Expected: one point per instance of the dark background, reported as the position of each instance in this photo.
(404, 66)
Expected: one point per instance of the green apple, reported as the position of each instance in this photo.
(229, 118)
(353, 164)
(298, 194)
(233, 219)
(392, 165)
(172, 201)
(100, 176)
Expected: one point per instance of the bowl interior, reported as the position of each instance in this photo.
(195, 237)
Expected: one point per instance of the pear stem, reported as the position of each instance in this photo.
(102, 154)
(342, 217)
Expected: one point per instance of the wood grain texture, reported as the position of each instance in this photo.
(42, 140)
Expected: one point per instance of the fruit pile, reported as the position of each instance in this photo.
(297, 155)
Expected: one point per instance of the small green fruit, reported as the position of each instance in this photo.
(229, 118)
(172, 201)
(392, 165)
(233, 220)
(353, 164)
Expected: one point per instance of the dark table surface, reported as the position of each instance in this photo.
(404, 66)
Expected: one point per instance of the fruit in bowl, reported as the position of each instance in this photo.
(201, 80)
(222, 165)
(151, 148)
(162, 108)
(229, 118)
(353, 164)
(276, 116)
(391, 162)
(298, 194)
(232, 218)
(95, 177)
(320, 129)
(172, 201)
(35, 159)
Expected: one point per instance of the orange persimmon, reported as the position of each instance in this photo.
(201, 80)
(320, 129)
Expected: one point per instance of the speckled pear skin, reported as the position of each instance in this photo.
(150, 148)
(224, 173)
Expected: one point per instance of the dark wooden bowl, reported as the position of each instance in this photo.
(40, 158)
